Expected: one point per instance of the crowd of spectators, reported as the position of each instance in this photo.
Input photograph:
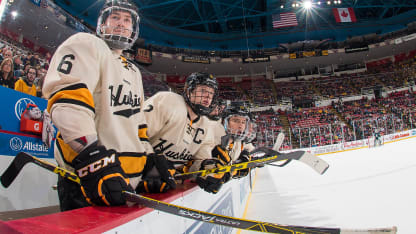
(259, 91)
(230, 91)
(21, 69)
(349, 120)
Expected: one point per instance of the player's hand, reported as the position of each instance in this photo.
(212, 183)
(102, 178)
(221, 154)
(157, 175)
(244, 157)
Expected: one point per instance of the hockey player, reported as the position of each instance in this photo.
(237, 124)
(179, 129)
(96, 102)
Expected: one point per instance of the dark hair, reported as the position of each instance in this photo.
(31, 67)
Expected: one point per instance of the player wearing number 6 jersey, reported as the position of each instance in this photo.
(95, 99)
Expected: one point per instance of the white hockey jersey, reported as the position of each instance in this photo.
(92, 90)
(234, 148)
(172, 133)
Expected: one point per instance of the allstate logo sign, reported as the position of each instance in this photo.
(20, 106)
(16, 144)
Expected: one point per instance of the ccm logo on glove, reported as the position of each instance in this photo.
(97, 165)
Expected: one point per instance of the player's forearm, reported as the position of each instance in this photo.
(73, 123)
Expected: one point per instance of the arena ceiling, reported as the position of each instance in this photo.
(46, 26)
(247, 24)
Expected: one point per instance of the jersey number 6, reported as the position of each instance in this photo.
(65, 66)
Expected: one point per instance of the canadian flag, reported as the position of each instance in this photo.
(343, 15)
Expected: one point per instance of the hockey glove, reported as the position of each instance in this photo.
(157, 175)
(219, 153)
(212, 183)
(244, 157)
(102, 179)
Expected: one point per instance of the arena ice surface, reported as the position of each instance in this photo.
(366, 188)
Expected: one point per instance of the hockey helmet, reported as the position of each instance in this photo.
(236, 121)
(119, 32)
(192, 82)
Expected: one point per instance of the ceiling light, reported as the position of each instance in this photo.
(307, 4)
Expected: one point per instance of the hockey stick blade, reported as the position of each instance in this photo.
(244, 224)
(22, 159)
(205, 216)
(279, 141)
(316, 163)
(10, 174)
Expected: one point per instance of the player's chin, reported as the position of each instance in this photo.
(122, 33)
(205, 104)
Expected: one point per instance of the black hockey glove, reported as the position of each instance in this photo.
(157, 175)
(212, 183)
(219, 153)
(102, 178)
(244, 157)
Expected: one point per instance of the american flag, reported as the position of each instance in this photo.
(284, 20)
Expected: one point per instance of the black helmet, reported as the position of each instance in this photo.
(115, 40)
(229, 114)
(192, 81)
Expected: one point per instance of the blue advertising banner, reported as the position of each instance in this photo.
(12, 140)
(11, 144)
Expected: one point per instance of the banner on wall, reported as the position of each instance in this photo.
(12, 140)
(256, 59)
(144, 56)
(11, 144)
(196, 59)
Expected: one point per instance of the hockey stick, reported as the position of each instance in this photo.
(22, 159)
(319, 165)
(279, 141)
(191, 213)
(241, 223)
(276, 147)
(227, 168)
